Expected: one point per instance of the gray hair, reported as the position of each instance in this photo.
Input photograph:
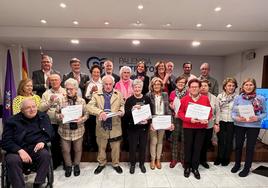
(124, 68)
(72, 82)
(107, 77)
(205, 64)
(137, 82)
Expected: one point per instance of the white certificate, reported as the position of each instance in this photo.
(141, 114)
(197, 111)
(161, 122)
(112, 114)
(246, 111)
(71, 113)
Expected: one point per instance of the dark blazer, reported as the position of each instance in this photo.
(84, 78)
(116, 77)
(15, 130)
(39, 81)
(146, 83)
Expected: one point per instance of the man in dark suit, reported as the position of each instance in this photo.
(25, 137)
(40, 77)
(76, 74)
(108, 70)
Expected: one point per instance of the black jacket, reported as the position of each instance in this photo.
(15, 130)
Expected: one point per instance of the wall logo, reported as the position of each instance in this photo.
(95, 60)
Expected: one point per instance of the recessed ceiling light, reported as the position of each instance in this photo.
(136, 42)
(217, 9)
(229, 25)
(196, 43)
(43, 21)
(140, 7)
(75, 41)
(75, 22)
(106, 23)
(199, 25)
(63, 5)
(138, 22)
(168, 25)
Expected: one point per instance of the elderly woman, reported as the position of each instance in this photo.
(177, 134)
(125, 87)
(141, 70)
(160, 106)
(93, 85)
(71, 133)
(194, 129)
(25, 90)
(226, 133)
(137, 133)
(247, 127)
(213, 124)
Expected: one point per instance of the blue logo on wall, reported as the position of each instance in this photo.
(95, 60)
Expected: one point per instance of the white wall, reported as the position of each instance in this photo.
(238, 66)
(61, 61)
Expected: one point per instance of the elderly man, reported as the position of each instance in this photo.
(108, 70)
(205, 69)
(187, 67)
(40, 77)
(169, 77)
(77, 75)
(24, 139)
(49, 103)
(108, 129)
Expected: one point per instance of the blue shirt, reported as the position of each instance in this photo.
(240, 101)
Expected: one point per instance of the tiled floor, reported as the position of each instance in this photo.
(216, 176)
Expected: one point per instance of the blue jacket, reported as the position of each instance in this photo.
(240, 101)
(15, 130)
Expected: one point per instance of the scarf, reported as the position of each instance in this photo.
(256, 103)
(182, 93)
(126, 88)
(71, 100)
(226, 99)
(107, 125)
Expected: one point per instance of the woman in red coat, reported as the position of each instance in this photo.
(194, 128)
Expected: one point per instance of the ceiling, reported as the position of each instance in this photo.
(20, 24)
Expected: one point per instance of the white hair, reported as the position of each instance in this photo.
(137, 82)
(107, 77)
(72, 82)
(26, 101)
(124, 68)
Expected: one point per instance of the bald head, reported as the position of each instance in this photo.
(108, 67)
(28, 108)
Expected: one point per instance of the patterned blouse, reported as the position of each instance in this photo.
(18, 100)
(64, 129)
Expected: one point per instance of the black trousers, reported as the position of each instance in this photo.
(15, 167)
(206, 144)
(193, 142)
(90, 142)
(240, 134)
(56, 148)
(137, 139)
(125, 125)
(225, 141)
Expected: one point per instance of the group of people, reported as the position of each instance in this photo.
(38, 118)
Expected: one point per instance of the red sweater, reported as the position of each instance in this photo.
(203, 100)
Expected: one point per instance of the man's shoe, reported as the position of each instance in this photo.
(196, 174)
(217, 162)
(76, 170)
(118, 169)
(173, 164)
(132, 169)
(68, 171)
(235, 169)
(244, 172)
(187, 172)
(142, 167)
(99, 169)
(37, 185)
(205, 165)
(225, 163)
